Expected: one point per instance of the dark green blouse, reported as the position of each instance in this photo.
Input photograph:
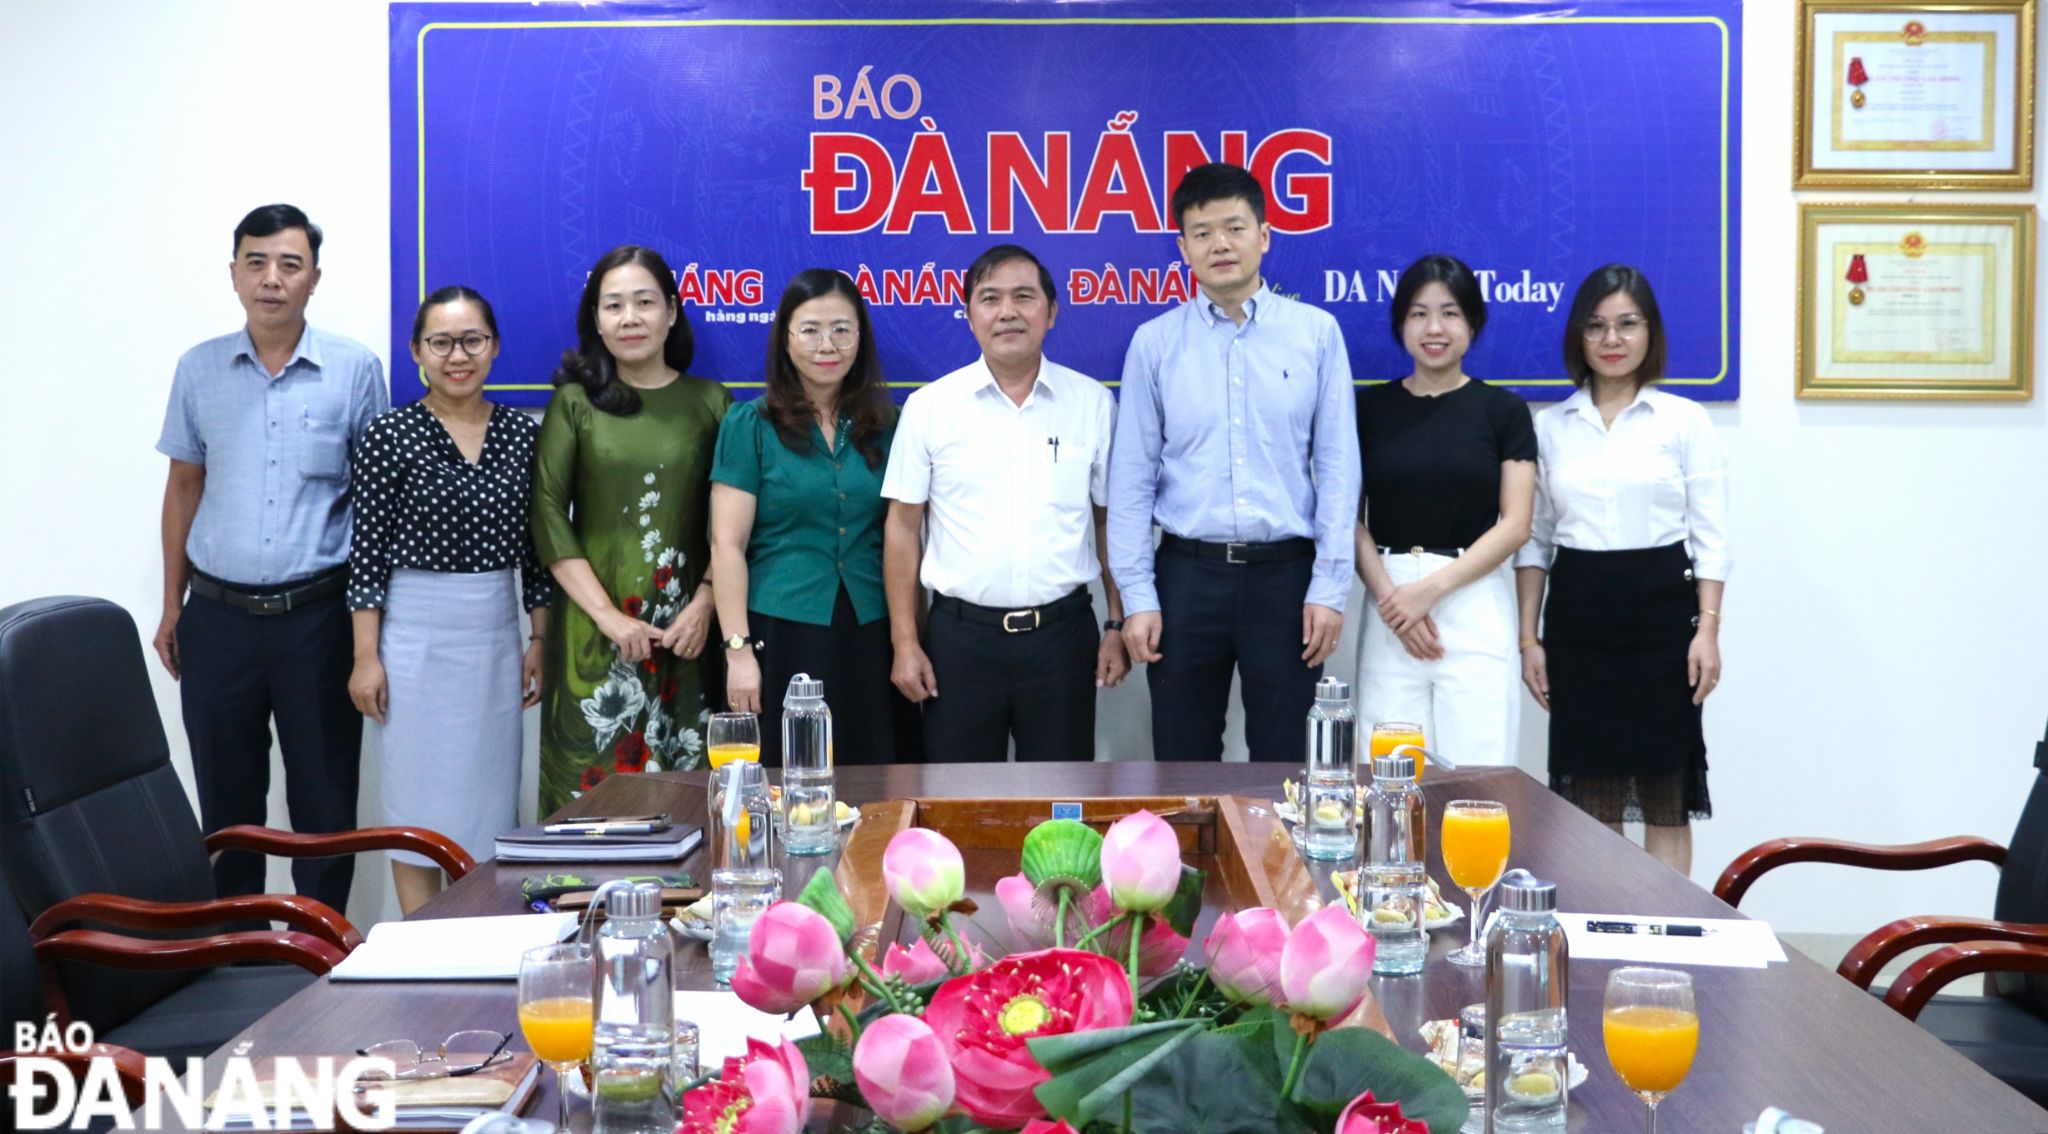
(817, 518)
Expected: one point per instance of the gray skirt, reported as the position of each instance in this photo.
(448, 754)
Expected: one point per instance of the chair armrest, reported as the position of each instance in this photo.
(1751, 864)
(308, 915)
(1878, 947)
(129, 1067)
(1928, 975)
(291, 844)
(97, 947)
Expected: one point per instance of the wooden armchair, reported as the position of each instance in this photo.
(2006, 1032)
(105, 860)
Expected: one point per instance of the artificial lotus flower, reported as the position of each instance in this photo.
(903, 1072)
(916, 965)
(1364, 1116)
(984, 1018)
(924, 871)
(1326, 964)
(1029, 920)
(768, 1091)
(1141, 863)
(1047, 1126)
(1244, 954)
(793, 957)
(1159, 948)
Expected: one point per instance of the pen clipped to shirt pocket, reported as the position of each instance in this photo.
(322, 448)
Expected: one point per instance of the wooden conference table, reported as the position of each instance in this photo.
(1794, 1035)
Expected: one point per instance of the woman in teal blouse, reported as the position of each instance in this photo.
(796, 526)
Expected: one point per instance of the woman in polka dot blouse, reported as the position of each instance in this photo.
(442, 491)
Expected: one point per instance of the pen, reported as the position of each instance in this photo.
(599, 829)
(1055, 443)
(1651, 928)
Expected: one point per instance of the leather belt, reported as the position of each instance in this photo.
(1021, 621)
(280, 599)
(1446, 552)
(1300, 547)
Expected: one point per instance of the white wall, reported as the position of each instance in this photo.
(1885, 610)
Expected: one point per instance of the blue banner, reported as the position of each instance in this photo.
(749, 139)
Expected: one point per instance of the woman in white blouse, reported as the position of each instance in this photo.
(1630, 540)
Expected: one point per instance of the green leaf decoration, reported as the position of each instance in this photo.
(827, 1059)
(1066, 849)
(1092, 1074)
(1218, 1082)
(822, 894)
(1180, 913)
(1346, 1062)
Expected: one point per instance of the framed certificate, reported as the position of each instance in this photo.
(1893, 95)
(1916, 302)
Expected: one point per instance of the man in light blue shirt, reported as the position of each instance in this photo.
(1236, 435)
(256, 526)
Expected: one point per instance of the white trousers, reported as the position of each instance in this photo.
(1469, 702)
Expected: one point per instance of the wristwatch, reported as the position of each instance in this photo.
(1112, 624)
(740, 642)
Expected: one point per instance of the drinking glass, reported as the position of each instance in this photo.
(733, 736)
(1652, 1031)
(555, 1011)
(739, 896)
(1473, 838)
(1389, 735)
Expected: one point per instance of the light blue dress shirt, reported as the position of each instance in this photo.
(275, 450)
(1235, 434)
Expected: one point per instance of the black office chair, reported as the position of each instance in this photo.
(97, 831)
(2006, 1032)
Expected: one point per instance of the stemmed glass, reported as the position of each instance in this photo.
(1473, 838)
(1652, 1031)
(555, 1012)
(732, 736)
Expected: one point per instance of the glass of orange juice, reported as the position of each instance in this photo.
(1473, 838)
(733, 736)
(555, 1013)
(1389, 735)
(1652, 1031)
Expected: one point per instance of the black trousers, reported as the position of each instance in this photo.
(239, 671)
(871, 722)
(1038, 687)
(1218, 617)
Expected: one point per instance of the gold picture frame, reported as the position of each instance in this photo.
(1915, 302)
(1902, 133)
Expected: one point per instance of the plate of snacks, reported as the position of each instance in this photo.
(1436, 915)
(1464, 1059)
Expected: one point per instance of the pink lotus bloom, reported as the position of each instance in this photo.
(916, 965)
(1031, 925)
(1326, 964)
(1141, 862)
(1364, 1116)
(983, 1019)
(766, 1092)
(793, 957)
(903, 1072)
(924, 871)
(1244, 954)
(1158, 950)
(1043, 1126)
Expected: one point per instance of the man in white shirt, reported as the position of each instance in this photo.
(997, 479)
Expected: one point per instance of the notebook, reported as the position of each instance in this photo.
(452, 948)
(534, 844)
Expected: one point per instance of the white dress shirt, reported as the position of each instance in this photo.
(1009, 490)
(1656, 477)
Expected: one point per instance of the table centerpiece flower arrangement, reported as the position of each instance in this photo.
(1098, 1026)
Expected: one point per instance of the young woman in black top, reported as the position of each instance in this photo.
(1449, 476)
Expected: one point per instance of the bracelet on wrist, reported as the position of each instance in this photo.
(1713, 614)
(1527, 642)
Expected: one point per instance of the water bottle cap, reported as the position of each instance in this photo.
(1523, 892)
(642, 899)
(1393, 766)
(1332, 689)
(804, 685)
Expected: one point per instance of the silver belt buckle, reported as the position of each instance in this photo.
(1009, 629)
(272, 604)
(1230, 553)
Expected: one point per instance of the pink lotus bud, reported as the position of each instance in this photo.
(1364, 1116)
(916, 965)
(1244, 954)
(1031, 924)
(1044, 1126)
(1326, 964)
(903, 1072)
(793, 957)
(924, 871)
(1141, 863)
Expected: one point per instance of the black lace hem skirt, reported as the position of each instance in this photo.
(1625, 738)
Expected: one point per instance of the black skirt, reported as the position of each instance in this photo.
(1625, 737)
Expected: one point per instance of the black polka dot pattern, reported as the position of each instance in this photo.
(419, 504)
